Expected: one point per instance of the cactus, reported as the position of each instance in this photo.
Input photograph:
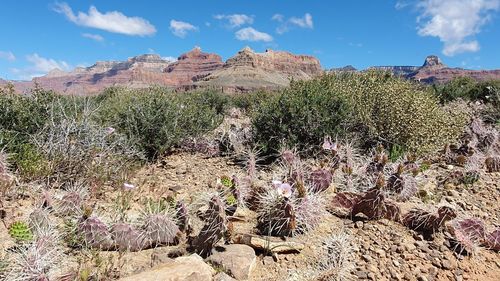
(278, 219)
(214, 229)
(343, 202)
(94, 233)
(127, 238)
(226, 181)
(20, 232)
(158, 226)
(426, 222)
(34, 260)
(411, 165)
(492, 240)
(380, 159)
(336, 258)
(467, 234)
(39, 218)
(320, 180)
(372, 204)
(182, 217)
(309, 211)
(493, 164)
(403, 184)
(72, 201)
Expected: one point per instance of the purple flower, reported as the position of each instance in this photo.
(110, 130)
(328, 145)
(128, 186)
(283, 189)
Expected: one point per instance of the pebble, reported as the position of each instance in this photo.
(361, 274)
(366, 258)
(380, 252)
(358, 224)
(422, 278)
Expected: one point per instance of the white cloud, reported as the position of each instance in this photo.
(95, 37)
(250, 34)
(180, 28)
(278, 17)
(401, 5)
(39, 66)
(7, 56)
(235, 20)
(113, 21)
(304, 22)
(170, 58)
(455, 22)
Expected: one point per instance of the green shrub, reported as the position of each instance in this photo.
(468, 88)
(300, 115)
(30, 162)
(21, 116)
(250, 101)
(157, 120)
(382, 108)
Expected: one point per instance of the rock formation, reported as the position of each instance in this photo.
(435, 71)
(244, 72)
(249, 70)
(193, 66)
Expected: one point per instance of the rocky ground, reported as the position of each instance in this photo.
(376, 249)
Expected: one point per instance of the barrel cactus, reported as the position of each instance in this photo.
(158, 225)
(127, 237)
(21, 232)
(94, 233)
(426, 222)
(320, 179)
(467, 235)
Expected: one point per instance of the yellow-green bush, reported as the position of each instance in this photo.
(379, 106)
(398, 112)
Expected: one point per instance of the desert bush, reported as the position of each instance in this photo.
(467, 88)
(77, 148)
(250, 101)
(398, 112)
(381, 107)
(157, 120)
(301, 115)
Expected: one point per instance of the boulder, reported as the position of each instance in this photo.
(190, 268)
(238, 260)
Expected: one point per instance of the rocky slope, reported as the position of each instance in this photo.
(249, 70)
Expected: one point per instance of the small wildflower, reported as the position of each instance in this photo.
(128, 186)
(110, 130)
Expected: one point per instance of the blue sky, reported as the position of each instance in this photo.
(40, 35)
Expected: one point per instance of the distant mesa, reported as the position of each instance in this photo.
(249, 70)
(246, 71)
(435, 71)
(347, 68)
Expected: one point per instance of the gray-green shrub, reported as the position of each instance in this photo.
(156, 119)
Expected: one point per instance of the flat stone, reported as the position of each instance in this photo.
(361, 274)
(237, 259)
(190, 268)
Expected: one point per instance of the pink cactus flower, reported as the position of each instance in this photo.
(128, 186)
